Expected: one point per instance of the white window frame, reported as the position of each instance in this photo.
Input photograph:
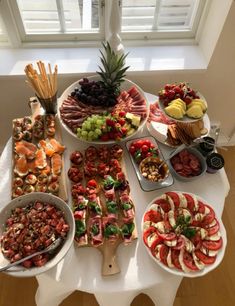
(166, 35)
(18, 37)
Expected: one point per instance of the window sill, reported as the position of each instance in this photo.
(86, 60)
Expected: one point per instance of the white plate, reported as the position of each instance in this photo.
(126, 85)
(207, 268)
(206, 122)
(20, 271)
(185, 118)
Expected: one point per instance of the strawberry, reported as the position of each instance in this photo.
(110, 122)
(122, 114)
(121, 121)
(124, 130)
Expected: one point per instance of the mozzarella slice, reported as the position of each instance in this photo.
(169, 260)
(151, 239)
(214, 237)
(196, 206)
(200, 265)
(146, 225)
(203, 233)
(171, 218)
(208, 252)
(207, 210)
(183, 200)
(184, 268)
(198, 217)
(213, 223)
(189, 246)
(157, 251)
(160, 226)
(157, 208)
(171, 243)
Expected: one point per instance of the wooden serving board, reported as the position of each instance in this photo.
(108, 249)
(37, 110)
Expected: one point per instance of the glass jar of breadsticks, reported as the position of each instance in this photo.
(44, 84)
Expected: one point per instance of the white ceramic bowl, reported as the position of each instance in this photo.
(22, 201)
(194, 152)
(126, 85)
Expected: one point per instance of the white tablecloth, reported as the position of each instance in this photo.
(81, 268)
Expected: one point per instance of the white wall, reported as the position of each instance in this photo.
(217, 84)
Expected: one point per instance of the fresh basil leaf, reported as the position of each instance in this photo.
(80, 228)
(126, 206)
(110, 230)
(95, 207)
(95, 230)
(127, 229)
(112, 207)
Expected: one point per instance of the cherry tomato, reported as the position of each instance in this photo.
(207, 260)
(189, 262)
(147, 143)
(175, 258)
(144, 148)
(153, 216)
(132, 149)
(138, 144)
(213, 245)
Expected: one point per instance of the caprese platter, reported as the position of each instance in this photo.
(183, 234)
(104, 212)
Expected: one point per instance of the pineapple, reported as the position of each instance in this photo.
(113, 72)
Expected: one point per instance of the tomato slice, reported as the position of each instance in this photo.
(207, 260)
(157, 241)
(201, 207)
(190, 202)
(214, 229)
(188, 261)
(149, 231)
(163, 252)
(197, 241)
(175, 258)
(180, 243)
(175, 198)
(167, 237)
(213, 245)
(153, 216)
(164, 204)
(209, 217)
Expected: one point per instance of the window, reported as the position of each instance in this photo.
(89, 20)
(160, 18)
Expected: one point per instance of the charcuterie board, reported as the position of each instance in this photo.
(103, 209)
(38, 162)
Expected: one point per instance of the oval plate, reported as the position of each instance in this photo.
(126, 85)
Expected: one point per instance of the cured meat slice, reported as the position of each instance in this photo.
(95, 231)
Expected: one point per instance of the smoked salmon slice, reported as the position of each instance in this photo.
(57, 146)
(21, 166)
(25, 148)
(56, 164)
(51, 146)
(40, 159)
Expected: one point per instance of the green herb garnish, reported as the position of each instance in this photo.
(95, 207)
(127, 229)
(112, 207)
(80, 228)
(110, 230)
(95, 230)
(183, 226)
(126, 206)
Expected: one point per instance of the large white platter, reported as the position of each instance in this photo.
(207, 268)
(126, 85)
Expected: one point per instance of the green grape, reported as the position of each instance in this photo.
(98, 132)
(84, 133)
(90, 134)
